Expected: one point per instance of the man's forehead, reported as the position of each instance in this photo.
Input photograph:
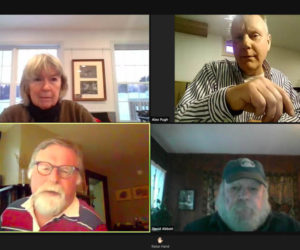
(248, 23)
(56, 151)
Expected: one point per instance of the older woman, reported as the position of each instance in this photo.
(42, 87)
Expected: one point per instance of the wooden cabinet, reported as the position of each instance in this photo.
(9, 194)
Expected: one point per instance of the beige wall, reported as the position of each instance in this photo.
(192, 52)
(123, 173)
(9, 155)
(16, 147)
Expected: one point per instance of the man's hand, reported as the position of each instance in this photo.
(262, 97)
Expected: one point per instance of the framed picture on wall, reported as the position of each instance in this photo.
(123, 194)
(141, 192)
(186, 199)
(88, 80)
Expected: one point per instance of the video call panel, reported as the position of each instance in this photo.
(196, 186)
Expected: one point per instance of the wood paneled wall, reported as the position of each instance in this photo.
(184, 171)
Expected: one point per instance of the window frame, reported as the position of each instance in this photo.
(127, 46)
(153, 163)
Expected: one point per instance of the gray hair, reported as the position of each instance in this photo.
(57, 141)
(231, 222)
(263, 17)
(34, 67)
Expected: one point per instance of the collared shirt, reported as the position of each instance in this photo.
(250, 78)
(70, 211)
(204, 100)
(79, 216)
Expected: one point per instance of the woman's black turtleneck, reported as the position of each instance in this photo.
(44, 115)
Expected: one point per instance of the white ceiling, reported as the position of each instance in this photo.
(73, 22)
(265, 139)
(284, 29)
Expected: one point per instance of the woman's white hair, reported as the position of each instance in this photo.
(34, 68)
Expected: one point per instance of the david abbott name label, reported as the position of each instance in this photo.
(155, 229)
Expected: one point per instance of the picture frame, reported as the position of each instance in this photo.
(140, 192)
(123, 194)
(88, 80)
(186, 199)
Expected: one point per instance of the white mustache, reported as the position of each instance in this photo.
(239, 205)
(50, 187)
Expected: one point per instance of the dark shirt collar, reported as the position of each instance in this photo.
(218, 225)
(47, 115)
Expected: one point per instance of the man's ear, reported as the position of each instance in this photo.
(269, 39)
(29, 173)
(79, 179)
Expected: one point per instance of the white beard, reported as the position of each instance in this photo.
(243, 216)
(49, 200)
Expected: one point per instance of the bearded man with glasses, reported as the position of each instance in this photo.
(54, 172)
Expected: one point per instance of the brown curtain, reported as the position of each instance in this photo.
(211, 182)
(282, 192)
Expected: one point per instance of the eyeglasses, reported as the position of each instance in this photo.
(45, 168)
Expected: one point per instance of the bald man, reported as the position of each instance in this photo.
(244, 90)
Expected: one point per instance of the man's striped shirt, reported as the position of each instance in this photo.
(17, 218)
(204, 100)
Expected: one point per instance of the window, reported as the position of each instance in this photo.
(12, 63)
(132, 75)
(228, 48)
(5, 77)
(157, 184)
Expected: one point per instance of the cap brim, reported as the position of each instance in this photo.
(247, 175)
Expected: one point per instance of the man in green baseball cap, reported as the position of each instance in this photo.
(242, 203)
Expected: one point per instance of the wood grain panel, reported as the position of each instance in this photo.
(190, 27)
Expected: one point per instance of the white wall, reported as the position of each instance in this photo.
(287, 61)
(82, 45)
(192, 52)
(16, 146)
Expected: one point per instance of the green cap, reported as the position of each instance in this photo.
(244, 168)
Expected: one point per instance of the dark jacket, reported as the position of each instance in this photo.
(276, 222)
